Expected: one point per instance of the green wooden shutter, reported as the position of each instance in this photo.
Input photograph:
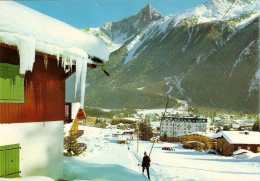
(9, 161)
(2, 161)
(12, 161)
(11, 84)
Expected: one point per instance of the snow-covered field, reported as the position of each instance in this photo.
(107, 160)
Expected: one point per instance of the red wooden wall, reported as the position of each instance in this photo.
(44, 92)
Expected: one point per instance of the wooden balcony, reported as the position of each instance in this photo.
(79, 133)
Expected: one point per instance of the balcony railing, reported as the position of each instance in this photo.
(79, 133)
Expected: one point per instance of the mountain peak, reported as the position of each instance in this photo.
(149, 13)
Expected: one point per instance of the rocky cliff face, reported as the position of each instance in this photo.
(207, 55)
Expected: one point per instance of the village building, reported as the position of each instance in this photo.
(172, 127)
(230, 141)
(90, 121)
(198, 141)
(122, 136)
(37, 55)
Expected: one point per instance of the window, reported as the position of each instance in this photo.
(9, 161)
(67, 111)
(11, 83)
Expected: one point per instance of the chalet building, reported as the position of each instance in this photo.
(91, 121)
(172, 127)
(123, 135)
(37, 55)
(123, 132)
(198, 141)
(230, 141)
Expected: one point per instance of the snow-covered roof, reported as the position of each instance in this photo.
(28, 29)
(239, 137)
(241, 151)
(32, 31)
(131, 119)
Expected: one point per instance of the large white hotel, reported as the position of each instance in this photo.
(173, 127)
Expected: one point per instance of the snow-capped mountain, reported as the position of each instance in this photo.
(207, 55)
(115, 34)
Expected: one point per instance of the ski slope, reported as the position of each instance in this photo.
(108, 161)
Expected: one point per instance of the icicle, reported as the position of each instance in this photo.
(81, 72)
(64, 60)
(70, 64)
(26, 48)
(58, 58)
(45, 60)
(78, 73)
(83, 82)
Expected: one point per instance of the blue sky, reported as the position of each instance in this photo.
(95, 13)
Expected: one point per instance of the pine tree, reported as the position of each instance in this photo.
(256, 126)
(146, 132)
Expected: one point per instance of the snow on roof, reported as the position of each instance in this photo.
(239, 137)
(241, 151)
(19, 24)
(129, 130)
(131, 119)
(118, 132)
(32, 31)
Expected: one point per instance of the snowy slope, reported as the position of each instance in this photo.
(105, 160)
(108, 161)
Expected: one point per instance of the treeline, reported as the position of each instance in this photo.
(97, 112)
(124, 121)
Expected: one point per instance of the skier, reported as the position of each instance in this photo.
(146, 164)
